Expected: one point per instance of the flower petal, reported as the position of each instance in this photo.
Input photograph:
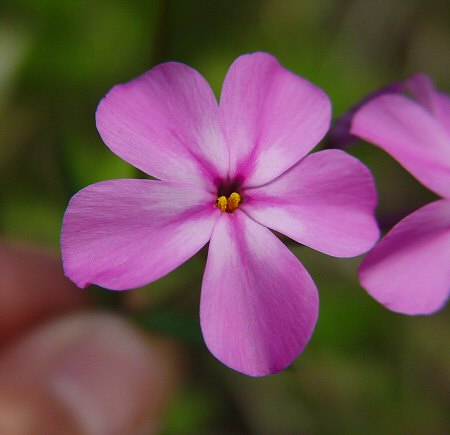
(126, 233)
(166, 123)
(326, 202)
(422, 89)
(270, 116)
(340, 136)
(411, 134)
(443, 110)
(409, 270)
(258, 304)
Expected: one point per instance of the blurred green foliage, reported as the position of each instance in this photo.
(366, 370)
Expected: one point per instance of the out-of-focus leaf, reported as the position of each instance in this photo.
(91, 161)
(179, 325)
(15, 41)
(29, 217)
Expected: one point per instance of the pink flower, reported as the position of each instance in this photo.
(409, 270)
(227, 173)
(340, 136)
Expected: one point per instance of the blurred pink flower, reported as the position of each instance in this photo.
(409, 270)
(227, 173)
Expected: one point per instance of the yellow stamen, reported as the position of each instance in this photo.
(230, 204)
(233, 201)
(222, 203)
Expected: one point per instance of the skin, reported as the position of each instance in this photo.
(65, 368)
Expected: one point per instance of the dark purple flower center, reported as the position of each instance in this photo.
(228, 198)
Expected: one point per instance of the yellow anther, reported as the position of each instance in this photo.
(222, 203)
(233, 201)
(229, 204)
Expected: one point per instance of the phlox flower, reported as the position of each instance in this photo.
(409, 270)
(228, 174)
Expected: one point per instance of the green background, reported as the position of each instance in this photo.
(366, 370)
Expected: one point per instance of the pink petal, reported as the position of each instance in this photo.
(258, 304)
(443, 110)
(271, 117)
(340, 136)
(165, 123)
(422, 89)
(409, 270)
(411, 134)
(326, 201)
(126, 233)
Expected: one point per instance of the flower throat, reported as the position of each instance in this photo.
(228, 196)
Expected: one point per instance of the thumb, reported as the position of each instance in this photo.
(87, 374)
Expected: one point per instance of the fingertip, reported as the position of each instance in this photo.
(105, 375)
(32, 287)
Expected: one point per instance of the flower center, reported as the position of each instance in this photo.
(230, 204)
